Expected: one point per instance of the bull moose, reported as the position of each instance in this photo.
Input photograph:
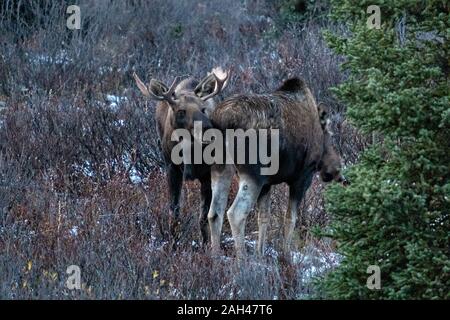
(180, 105)
(305, 147)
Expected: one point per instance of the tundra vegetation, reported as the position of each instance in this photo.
(83, 179)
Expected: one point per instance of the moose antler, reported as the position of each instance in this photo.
(220, 78)
(164, 95)
(168, 95)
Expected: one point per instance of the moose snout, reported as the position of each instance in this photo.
(206, 125)
(343, 180)
(202, 124)
(326, 177)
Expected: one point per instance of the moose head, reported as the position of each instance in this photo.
(330, 164)
(188, 103)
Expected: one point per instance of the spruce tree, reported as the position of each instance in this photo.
(396, 212)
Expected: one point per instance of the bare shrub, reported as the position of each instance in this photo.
(81, 176)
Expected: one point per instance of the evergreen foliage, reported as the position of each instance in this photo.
(395, 214)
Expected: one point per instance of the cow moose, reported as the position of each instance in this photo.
(180, 105)
(304, 148)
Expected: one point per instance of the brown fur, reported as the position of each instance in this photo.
(305, 147)
(188, 104)
(291, 109)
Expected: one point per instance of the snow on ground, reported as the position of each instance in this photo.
(74, 231)
(85, 168)
(132, 172)
(135, 177)
(2, 111)
(314, 261)
(310, 261)
(59, 57)
(115, 101)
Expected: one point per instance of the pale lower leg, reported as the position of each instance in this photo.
(239, 210)
(220, 185)
(290, 219)
(263, 219)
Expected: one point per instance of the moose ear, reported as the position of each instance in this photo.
(141, 85)
(323, 110)
(323, 114)
(157, 89)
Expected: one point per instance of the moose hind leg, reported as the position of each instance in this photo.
(263, 206)
(246, 197)
(221, 176)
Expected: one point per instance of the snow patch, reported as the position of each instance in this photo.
(74, 231)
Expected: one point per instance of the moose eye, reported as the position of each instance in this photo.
(203, 110)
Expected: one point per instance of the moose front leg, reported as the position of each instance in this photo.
(175, 181)
(290, 219)
(205, 196)
(296, 194)
(263, 206)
